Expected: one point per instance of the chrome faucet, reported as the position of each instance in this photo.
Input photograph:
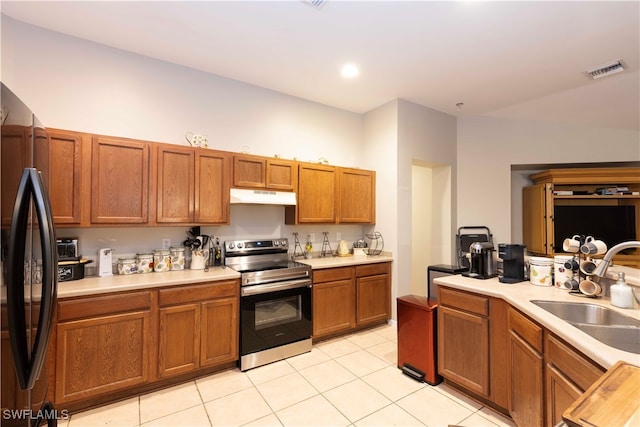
(601, 270)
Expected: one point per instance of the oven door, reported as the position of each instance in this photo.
(274, 314)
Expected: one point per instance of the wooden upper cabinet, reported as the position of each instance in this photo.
(65, 164)
(249, 171)
(535, 215)
(357, 196)
(14, 157)
(261, 172)
(211, 186)
(119, 181)
(282, 175)
(175, 185)
(316, 193)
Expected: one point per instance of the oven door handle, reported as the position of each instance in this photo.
(273, 287)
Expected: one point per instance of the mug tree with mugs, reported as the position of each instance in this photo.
(582, 265)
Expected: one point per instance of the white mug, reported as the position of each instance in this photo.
(587, 267)
(593, 247)
(589, 287)
(571, 245)
(196, 140)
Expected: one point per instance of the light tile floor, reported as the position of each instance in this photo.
(348, 381)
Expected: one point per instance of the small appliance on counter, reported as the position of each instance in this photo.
(105, 262)
(483, 264)
(512, 256)
(70, 263)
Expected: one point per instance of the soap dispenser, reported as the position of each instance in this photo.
(621, 293)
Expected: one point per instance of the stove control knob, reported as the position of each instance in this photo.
(231, 245)
(283, 243)
(240, 245)
(276, 243)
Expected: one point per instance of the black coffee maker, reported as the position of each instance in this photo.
(512, 256)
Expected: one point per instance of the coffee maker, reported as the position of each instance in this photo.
(483, 266)
(512, 256)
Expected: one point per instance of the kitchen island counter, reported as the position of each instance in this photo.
(519, 295)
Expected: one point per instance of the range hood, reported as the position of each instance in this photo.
(262, 197)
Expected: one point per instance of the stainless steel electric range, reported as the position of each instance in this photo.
(275, 301)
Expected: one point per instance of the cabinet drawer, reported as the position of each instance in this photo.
(98, 306)
(332, 274)
(372, 269)
(580, 370)
(529, 331)
(464, 301)
(201, 292)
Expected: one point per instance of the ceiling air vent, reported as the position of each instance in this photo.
(605, 70)
(315, 3)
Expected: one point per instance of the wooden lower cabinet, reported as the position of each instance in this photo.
(103, 345)
(348, 298)
(198, 327)
(334, 301)
(463, 349)
(568, 374)
(526, 367)
(111, 346)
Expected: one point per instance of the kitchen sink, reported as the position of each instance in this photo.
(607, 326)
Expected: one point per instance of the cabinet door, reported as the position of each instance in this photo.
(249, 171)
(65, 164)
(179, 339)
(219, 338)
(333, 307)
(316, 194)
(373, 299)
(175, 172)
(357, 196)
(526, 373)
(15, 155)
(561, 393)
(101, 355)
(212, 187)
(536, 218)
(119, 181)
(463, 349)
(281, 175)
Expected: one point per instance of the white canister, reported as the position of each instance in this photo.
(161, 260)
(560, 273)
(145, 262)
(177, 257)
(540, 270)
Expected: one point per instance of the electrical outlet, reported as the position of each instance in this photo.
(338, 236)
(312, 237)
(166, 243)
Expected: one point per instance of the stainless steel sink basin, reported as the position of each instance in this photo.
(606, 325)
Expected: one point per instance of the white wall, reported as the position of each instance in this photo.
(79, 85)
(425, 137)
(75, 84)
(487, 147)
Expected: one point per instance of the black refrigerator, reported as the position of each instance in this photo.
(29, 268)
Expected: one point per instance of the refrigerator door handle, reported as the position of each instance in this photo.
(28, 367)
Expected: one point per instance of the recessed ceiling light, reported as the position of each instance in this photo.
(349, 71)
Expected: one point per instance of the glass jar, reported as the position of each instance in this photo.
(177, 257)
(127, 265)
(161, 260)
(145, 262)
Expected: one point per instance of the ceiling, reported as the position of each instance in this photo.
(502, 59)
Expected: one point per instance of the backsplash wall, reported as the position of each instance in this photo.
(247, 221)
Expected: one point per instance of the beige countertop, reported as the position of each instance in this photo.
(119, 283)
(339, 261)
(519, 295)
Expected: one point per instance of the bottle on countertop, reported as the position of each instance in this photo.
(621, 293)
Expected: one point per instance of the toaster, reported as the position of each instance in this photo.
(67, 248)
